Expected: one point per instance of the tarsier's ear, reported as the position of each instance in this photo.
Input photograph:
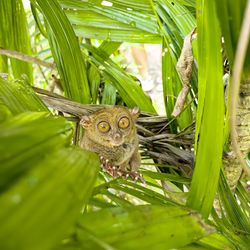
(85, 121)
(135, 112)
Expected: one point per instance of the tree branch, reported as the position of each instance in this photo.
(26, 58)
(236, 77)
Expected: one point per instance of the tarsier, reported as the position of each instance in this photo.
(111, 133)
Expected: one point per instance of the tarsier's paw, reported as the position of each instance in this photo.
(114, 171)
(136, 176)
(107, 166)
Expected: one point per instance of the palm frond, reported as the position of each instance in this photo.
(142, 227)
(13, 102)
(40, 162)
(15, 36)
(209, 121)
(66, 52)
(125, 21)
(52, 195)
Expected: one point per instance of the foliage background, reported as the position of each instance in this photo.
(52, 194)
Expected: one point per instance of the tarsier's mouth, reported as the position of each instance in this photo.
(117, 143)
(124, 145)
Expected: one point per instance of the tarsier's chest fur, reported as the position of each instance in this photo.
(117, 141)
(116, 154)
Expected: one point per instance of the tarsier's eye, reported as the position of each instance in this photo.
(123, 122)
(103, 127)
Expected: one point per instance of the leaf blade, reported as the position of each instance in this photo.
(210, 114)
(66, 52)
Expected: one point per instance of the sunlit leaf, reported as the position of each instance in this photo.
(109, 94)
(210, 120)
(141, 227)
(234, 215)
(40, 209)
(18, 97)
(174, 30)
(230, 15)
(34, 135)
(123, 21)
(66, 52)
(14, 35)
(130, 91)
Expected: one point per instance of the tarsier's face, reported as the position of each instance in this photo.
(111, 126)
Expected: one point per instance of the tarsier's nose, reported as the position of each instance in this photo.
(117, 139)
(117, 136)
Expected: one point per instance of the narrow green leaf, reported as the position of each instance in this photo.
(235, 217)
(180, 15)
(210, 114)
(109, 94)
(109, 47)
(173, 33)
(66, 51)
(171, 85)
(164, 176)
(216, 241)
(138, 5)
(94, 81)
(40, 209)
(14, 35)
(147, 195)
(243, 195)
(120, 201)
(138, 191)
(195, 246)
(129, 90)
(124, 21)
(3, 62)
(227, 230)
(191, 3)
(101, 203)
(132, 36)
(230, 14)
(38, 21)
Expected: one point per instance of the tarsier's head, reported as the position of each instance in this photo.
(111, 126)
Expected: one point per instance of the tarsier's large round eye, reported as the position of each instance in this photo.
(103, 127)
(123, 122)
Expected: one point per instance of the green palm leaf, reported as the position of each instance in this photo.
(18, 97)
(62, 183)
(66, 52)
(50, 195)
(14, 35)
(230, 16)
(92, 19)
(130, 91)
(209, 121)
(142, 227)
(30, 145)
(174, 30)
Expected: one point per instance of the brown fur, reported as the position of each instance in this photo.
(119, 146)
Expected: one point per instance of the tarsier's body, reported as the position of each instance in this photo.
(111, 133)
